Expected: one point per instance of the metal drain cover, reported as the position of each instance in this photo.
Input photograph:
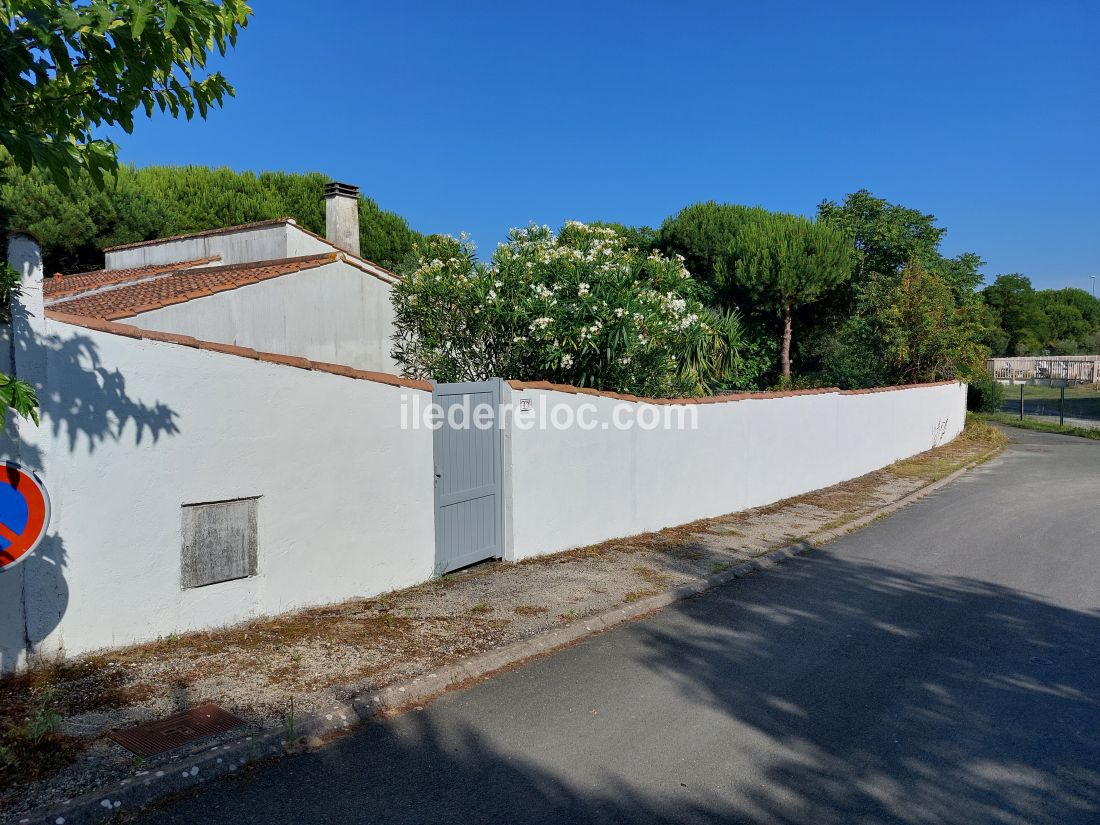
(152, 738)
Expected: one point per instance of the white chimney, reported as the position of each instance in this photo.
(342, 216)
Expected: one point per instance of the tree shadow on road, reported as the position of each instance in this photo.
(961, 700)
(878, 720)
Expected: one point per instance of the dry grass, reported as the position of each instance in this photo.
(650, 575)
(977, 440)
(530, 610)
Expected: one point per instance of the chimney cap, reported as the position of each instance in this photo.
(334, 189)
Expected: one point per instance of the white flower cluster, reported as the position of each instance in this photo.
(688, 321)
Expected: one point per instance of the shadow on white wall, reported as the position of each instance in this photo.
(84, 404)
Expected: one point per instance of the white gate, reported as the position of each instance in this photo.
(469, 474)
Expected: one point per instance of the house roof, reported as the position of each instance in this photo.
(115, 295)
(60, 284)
(362, 263)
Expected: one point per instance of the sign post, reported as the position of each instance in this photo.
(24, 513)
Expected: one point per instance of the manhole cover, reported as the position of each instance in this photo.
(153, 738)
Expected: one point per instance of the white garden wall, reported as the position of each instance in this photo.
(572, 487)
(132, 429)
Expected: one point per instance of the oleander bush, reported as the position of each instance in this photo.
(581, 306)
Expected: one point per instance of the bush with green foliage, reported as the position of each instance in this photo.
(984, 393)
(907, 329)
(578, 307)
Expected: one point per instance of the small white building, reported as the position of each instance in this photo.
(271, 286)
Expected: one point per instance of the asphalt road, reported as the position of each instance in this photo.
(940, 666)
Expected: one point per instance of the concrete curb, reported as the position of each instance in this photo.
(226, 759)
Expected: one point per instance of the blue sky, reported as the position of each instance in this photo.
(480, 116)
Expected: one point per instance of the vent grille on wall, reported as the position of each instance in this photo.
(219, 542)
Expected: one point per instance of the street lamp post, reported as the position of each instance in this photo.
(1093, 286)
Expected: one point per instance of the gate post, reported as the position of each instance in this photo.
(507, 418)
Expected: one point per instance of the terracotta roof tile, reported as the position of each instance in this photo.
(131, 299)
(711, 399)
(230, 349)
(59, 284)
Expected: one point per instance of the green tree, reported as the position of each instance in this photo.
(785, 262)
(925, 334)
(909, 329)
(1079, 299)
(579, 307)
(886, 236)
(1021, 314)
(69, 69)
(704, 236)
(992, 337)
(1066, 323)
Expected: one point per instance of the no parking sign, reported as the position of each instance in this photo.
(24, 513)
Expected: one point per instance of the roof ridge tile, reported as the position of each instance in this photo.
(714, 399)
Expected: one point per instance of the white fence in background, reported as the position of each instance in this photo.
(1082, 369)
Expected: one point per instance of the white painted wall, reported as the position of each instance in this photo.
(573, 487)
(132, 429)
(284, 240)
(335, 313)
